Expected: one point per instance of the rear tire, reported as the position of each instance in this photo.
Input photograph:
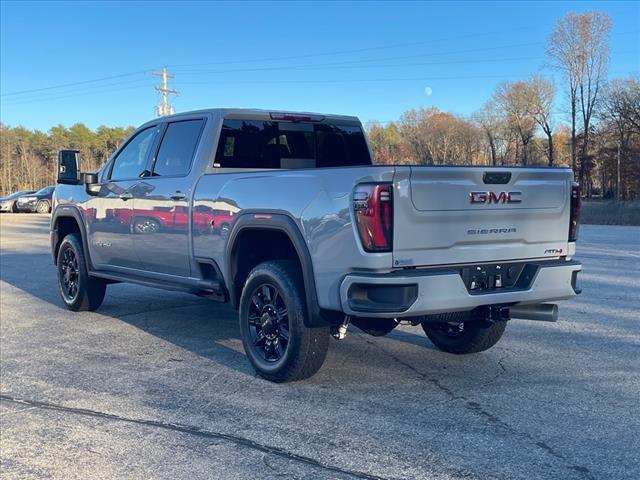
(78, 290)
(272, 324)
(460, 338)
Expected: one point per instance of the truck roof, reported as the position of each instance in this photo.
(261, 114)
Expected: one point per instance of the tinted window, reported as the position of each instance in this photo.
(340, 146)
(258, 144)
(132, 160)
(45, 191)
(248, 144)
(178, 148)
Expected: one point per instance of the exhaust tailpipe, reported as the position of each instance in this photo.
(543, 312)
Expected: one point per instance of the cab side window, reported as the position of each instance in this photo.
(178, 147)
(132, 159)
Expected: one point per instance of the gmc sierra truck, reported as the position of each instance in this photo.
(286, 216)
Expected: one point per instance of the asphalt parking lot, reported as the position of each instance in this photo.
(155, 385)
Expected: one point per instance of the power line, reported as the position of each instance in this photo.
(368, 60)
(73, 84)
(22, 101)
(349, 65)
(72, 93)
(343, 52)
(357, 50)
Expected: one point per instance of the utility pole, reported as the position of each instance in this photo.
(163, 108)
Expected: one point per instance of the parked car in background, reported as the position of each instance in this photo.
(39, 202)
(8, 203)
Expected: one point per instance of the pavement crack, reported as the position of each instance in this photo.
(196, 431)
(159, 309)
(490, 417)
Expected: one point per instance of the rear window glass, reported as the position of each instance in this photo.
(265, 144)
(341, 145)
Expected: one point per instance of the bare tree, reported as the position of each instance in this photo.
(491, 123)
(513, 99)
(410, 128)
(621, 102)
(541, 94)
(579, 46)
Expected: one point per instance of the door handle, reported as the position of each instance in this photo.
(178, 195)
(125, 196)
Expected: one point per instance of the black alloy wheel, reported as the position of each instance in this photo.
(268, 323)
(69, 273)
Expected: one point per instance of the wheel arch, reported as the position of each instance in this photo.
(65, 220)
(282, 225)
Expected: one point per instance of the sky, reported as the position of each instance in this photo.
(92, 62)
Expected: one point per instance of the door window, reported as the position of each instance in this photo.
(178, 148)
(132, 159)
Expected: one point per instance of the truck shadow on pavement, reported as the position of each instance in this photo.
(203, 327)
(210, 330)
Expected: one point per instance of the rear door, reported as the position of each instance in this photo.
(453, 215)
(160, 219)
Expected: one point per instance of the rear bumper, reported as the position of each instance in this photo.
(422, 292)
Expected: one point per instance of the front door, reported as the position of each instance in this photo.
(161, 215)
(109, 222)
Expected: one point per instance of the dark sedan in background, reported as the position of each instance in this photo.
(8, 203)
(39, 202)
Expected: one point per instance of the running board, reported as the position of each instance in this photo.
(204, 288)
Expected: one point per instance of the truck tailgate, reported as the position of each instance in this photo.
(454, 215)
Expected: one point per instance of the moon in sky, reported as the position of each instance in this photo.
(428, 91)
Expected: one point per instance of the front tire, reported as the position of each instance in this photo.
(463, 337)
(78, 290)
(272, 324)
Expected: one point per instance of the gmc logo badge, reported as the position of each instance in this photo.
(493, 197)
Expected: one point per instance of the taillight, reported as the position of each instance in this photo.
(574, 215)
(373, 209)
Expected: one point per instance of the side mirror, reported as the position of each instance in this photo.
(91, 183)
(90, 178)
(68, 167)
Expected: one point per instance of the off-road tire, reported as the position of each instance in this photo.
(43, 207)
(306, 348)
(475, 336)
(90, 291)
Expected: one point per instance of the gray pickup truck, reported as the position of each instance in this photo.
(285, 216)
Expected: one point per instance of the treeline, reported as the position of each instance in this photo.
(28, 158)
(508, 131)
